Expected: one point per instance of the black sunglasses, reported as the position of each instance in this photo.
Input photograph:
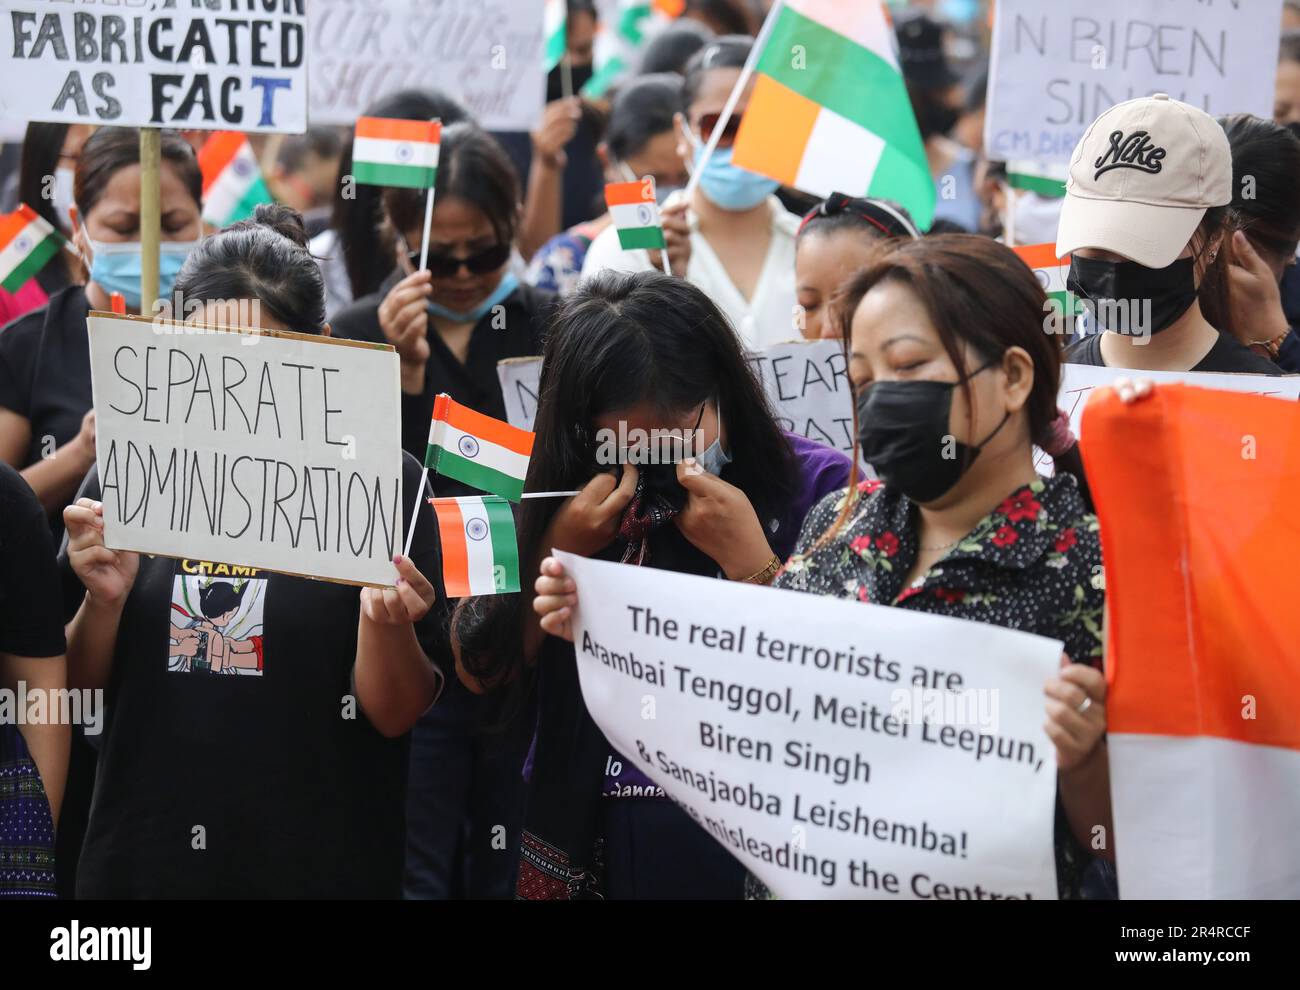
(446, 265)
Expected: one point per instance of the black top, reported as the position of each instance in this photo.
(233, 763)
(45, 369)
(474, 383)
(30, 622)
(1227, 354)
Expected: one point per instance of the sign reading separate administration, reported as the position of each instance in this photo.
(155, 63)
(487, 54)
(837, 749)
(275, 451)
(1056, 66)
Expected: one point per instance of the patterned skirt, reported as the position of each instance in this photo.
(26, 826)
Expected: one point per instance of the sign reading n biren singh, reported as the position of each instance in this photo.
(277, 451)
(215, 65)
(837, 749)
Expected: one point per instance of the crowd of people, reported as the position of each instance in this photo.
(471, 767)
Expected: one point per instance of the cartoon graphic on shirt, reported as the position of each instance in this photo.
(216, 619)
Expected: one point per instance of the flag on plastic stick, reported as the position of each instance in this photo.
(387, 151)
(636, 214)
(1202, 657)
(480, 554)
(477, 450)
(835, 115)
(233, 187)
(27, 242)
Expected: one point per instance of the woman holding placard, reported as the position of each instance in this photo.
(47, 426)
(256, 744)
(955, 383)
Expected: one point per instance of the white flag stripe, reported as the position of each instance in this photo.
(1056, 276)
(383, 151)
(479, 451)
(230, 187)
(628, 215)
(1204, 818)
(21, 246)
(833, 141)
(478, 547)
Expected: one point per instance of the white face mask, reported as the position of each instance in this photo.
(1036, 218)
(63, 196)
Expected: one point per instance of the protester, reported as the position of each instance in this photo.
(1267, 210)
(640, 141)
(938, 102)
(47, 427)
(306, 175)
(212, 784)
(738, 238)
(943, 337)
(1144, 242)
(33, 756)
(352, 258)
(636, 352)
(1286, 96)
(835, 240)
(49, 151)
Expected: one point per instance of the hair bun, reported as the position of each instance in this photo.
(284, 220)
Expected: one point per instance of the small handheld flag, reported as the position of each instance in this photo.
(636, 214)
(387, 151)
(1047, 179)
(27, 242)
(233, 186)
(480, 555)
(555, 26)
(477, 450)
(1051, 273)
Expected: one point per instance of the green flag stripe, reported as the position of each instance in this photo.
(505, 548)
(1051, 188)
(841, 75)
(485, 479)
(253, 197)
(905, 180)
(604, 77)
(406, 176)
(32, 264)
(640, 237)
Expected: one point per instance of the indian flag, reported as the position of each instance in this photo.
(480, 555)
(635, 213)
(27, 242)
(1051, 273)
(387, 151)
(829, 110)
(477, 450)
(232, 180)
(1045, 178)
(624, 29)
(555, 26)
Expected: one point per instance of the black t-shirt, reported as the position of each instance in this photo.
(474, 383)
(228, 765)
(45, 369)
(1227, 354)
(30, 621)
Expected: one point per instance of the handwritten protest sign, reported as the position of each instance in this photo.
(837, 749)
(272, 451)
(805, 380)
(1056, 66)
(1079, 380)
(487, 54)
(228, 66)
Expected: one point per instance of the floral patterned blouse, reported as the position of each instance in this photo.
(1033, 563)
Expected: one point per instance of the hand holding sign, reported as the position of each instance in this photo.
(108, 575)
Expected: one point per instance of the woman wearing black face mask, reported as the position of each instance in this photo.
(956, 383)
(1145, 220)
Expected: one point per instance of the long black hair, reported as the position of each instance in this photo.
(618, 341)
(1268, 207)
(356, 218)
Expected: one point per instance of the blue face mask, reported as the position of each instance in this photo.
(729, 186)
(507, 285)
(117, 267)
(714, 458)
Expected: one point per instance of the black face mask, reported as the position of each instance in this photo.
(555, 81)
(1124, 297)
(902, 428)
(936, 118)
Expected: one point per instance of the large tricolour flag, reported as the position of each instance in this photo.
(480, 554)
(829, 111)
(1202, 656)
(27, 242)
(478, 450)
(232, 179)
(389, 151)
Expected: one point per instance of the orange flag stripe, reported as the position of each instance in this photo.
(11, 224)
(395, 129)
(476, 424)
(455, 558)
(1041, 256)
(218, 151)
(775, 130)
(623, 193)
